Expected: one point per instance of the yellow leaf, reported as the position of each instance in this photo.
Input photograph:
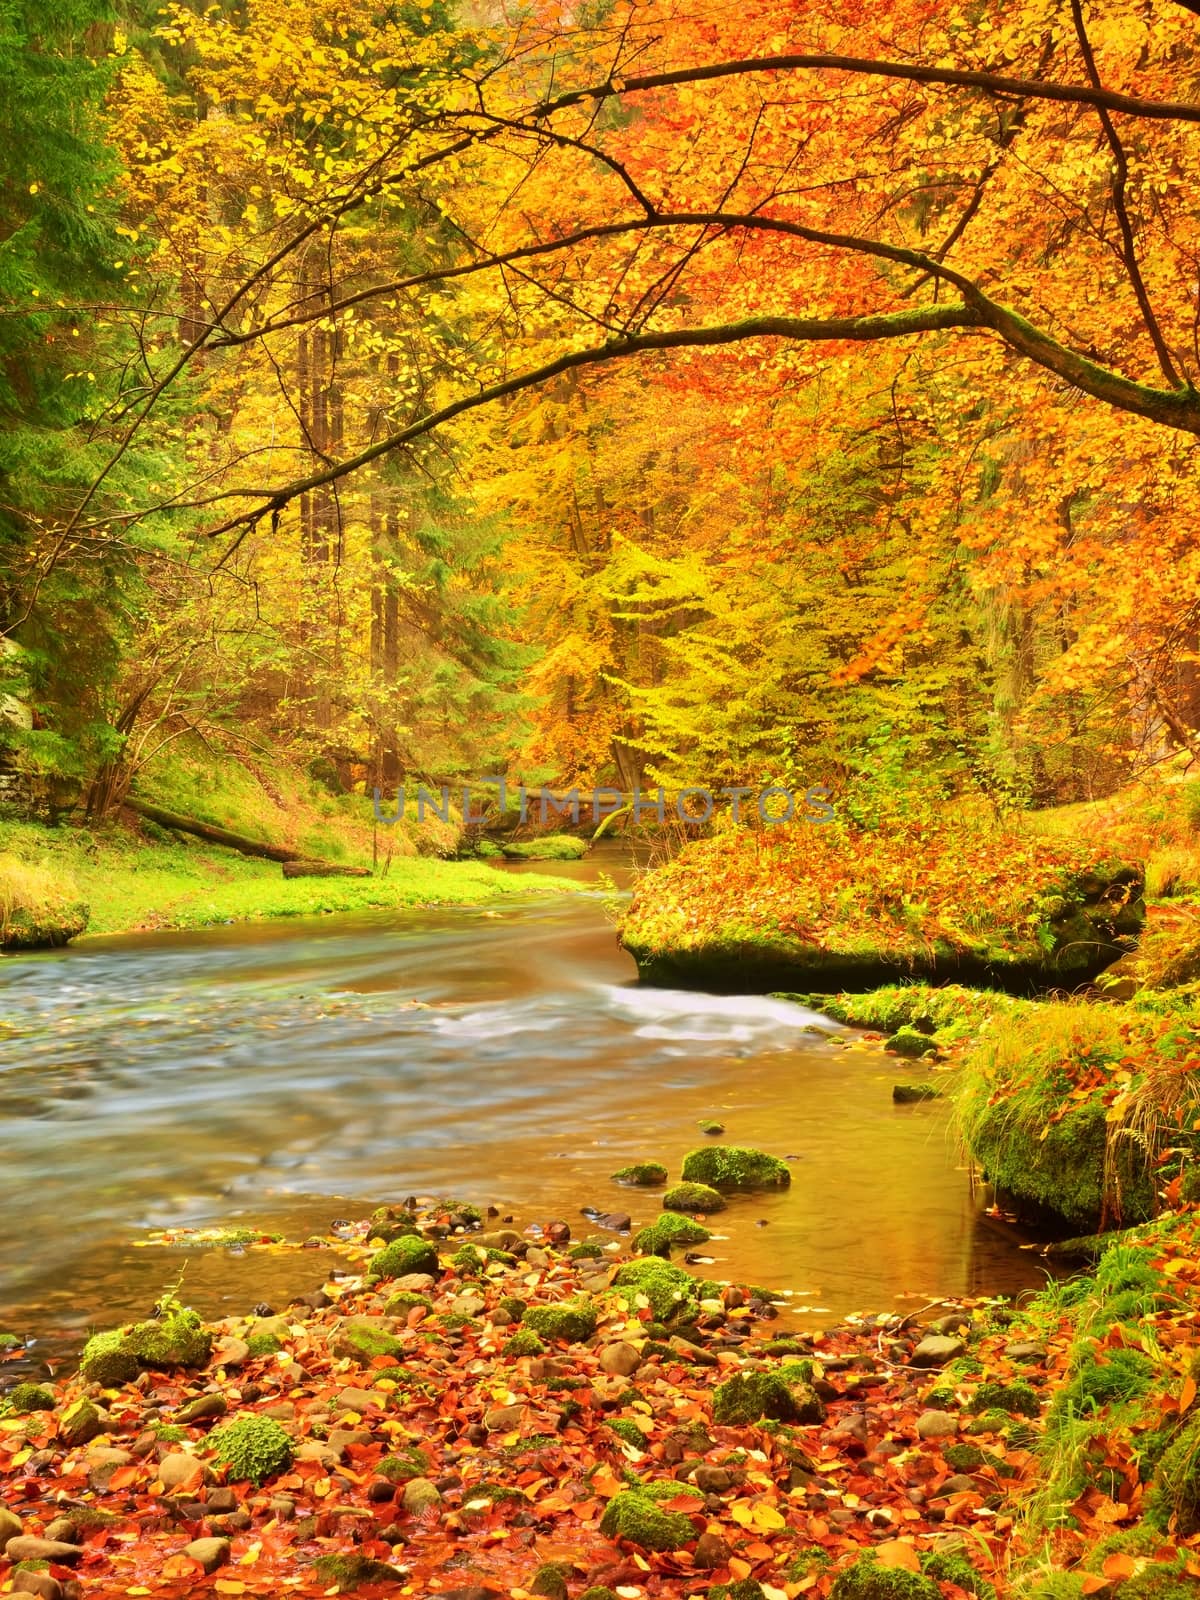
(229, 1586)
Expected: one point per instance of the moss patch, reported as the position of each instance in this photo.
(252, 1448)
(693, 1199)
(731, 1166)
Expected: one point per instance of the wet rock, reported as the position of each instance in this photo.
(210, 1553)
(81, 1423)
(936, 1349)
(615, 1221)
(959, 1484)
(231, 1352)
(501, 1419)
(25, 1548)
(205, 1405)
(694, 1353)
(380, 1491)
(620, 1359)
(711, 1480)
(421, 1495)
(42, 1584)
(284, 1508)
(937, 1425)
(711, 1551)
(1025, 1350)
(180, 1471)
(536, 1257)
(222, 1499)
(954, 1322)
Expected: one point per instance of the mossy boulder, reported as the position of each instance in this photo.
(405, 1301)
(551, 847)
(405, 1255)
(524, 1343)
(865, 1579)
(262, 1344)
(910, 1042)
(364, 1342)
(693, 1199)
(80, 1423)
(252, 1448)
(634, 1516)
(642, 1174)
(350, 1570)
(671, 1292)
(667, 1230)
(1016, 1398)
(29, 1397)
(178, 1339)
(731, 1166)
(550, 1580)
(783, 1394)
(573, 1320)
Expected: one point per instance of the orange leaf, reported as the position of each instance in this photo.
(1119, 1566)
(740, 1569)
(1187, 1394)
(898, 1553)
(1093, 1582)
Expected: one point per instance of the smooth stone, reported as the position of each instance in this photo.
(321, 1451)
(420, 1495)
(281, 1411)
(935, 1349)
(711, 1480)
(417, 1282)
(501, 1418)
(221, 1500)
(210, 1553)
(39, 1583)
(711, 1551)
(231, 1352)
(936, 1425)
(104, 1455)
(615, 1221)
(959, 1484)
(1025, 1350)
(205, 1405)
(467, 1305)
(620, 1359)
(10, 1526)
(537, 1257)
(359, 1400)
(343, 1438)
(179, 1471)
(26, 1548)
(950, 1324)
(282, 1507)
(693, 1353)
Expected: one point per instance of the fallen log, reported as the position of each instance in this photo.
(322, 869)
(213, 835)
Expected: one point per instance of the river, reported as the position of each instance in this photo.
(292, 1073)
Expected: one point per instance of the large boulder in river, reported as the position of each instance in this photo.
(837, 907)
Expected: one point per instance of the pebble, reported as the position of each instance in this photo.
(414, 1282)
(959, 1484)
(360, 1399)
(711, 1551)
(937, 1425)
(10, 1526)
(935, 1349)
(283, 1507)
(210, 1553)
(711, 1480)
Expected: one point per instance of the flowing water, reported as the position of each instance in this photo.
(288, 1074)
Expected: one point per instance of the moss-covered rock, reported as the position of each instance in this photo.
(178, 1339)
(352, 1569)
(865, 1579)
(1177, 1482)
(693, 1199)
(404, 1301)
(30, 1397)
(731, 1166)
(573, 1320)
(80, 1423)
(950, 1566)
(252, 1448)
(364, 1342)
(642, 1175)
(262, 1344)
(910, 1042)
(633, 1516)
(404, 1464)
(403, 1256)
(598, 1591)
(667, 1230)
(524, 1343)
(783, 1394)
(670, 1291)
(1010, 1397)
(550, 847)
(744, 1589)
(550, 1580)
(39, 909)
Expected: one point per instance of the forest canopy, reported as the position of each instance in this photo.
(617, 393)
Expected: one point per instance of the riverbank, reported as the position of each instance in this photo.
(465, 1411)
(129, 882)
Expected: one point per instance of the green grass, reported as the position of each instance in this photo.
(131, 884)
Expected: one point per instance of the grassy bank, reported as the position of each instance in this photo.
(132, 874)
(942, 895)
